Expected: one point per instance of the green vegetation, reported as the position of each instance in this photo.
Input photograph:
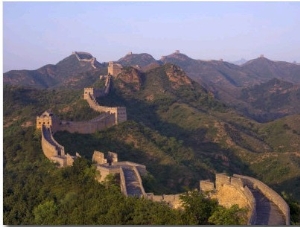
(294, 208)
(181, 133)
(271, 100)
(36, 192)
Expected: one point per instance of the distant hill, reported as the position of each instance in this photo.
(55, 75)
(227, 81)
(142, 60)
(271, 100)
(268, 69)
(239, 62)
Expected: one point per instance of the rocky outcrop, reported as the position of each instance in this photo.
(177, 76)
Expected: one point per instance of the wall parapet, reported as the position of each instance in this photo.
(238, 184)
(53, 150)
(139, 180)
(172, 200)
(252, 204)
(123, 183)
(269, 193)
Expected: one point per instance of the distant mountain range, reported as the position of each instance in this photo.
(228, 82)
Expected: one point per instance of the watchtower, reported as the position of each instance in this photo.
(48, 119)
(114, 69)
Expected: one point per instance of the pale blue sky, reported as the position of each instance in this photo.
(40, 33)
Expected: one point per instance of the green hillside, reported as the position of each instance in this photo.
(175, 127)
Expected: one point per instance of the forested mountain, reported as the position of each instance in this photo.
(176, 127)
(226, 81)
(271, 100)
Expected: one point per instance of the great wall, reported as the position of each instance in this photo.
(265, 206)
(84, 56)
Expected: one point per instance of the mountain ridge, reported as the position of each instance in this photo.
(52, 75)
(225, 80)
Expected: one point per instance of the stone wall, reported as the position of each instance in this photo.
(53, 150)
(122, 182)
(98, 157)
(139, 179)
(112, 157)
(114, 69)
(172, 200)
(48, 149)
(88, 127)
(49, 145)
(47, 119)
(89, 57)
(119, 113)
(252, 205)
(269, 193)
(230, 191)
(98, 92)
(222, 179)
(105, 170)
(207, 186)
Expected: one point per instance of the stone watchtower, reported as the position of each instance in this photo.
(114, 69)
(49, 120)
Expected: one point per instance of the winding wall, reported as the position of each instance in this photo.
(49, 145)
(269, 193)
(90, 95)
(91, 59)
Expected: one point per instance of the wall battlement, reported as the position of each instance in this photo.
(173, 201)
(238, 188)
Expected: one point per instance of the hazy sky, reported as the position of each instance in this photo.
(40, 33)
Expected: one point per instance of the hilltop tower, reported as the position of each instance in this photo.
(114, 69)
(48, 119)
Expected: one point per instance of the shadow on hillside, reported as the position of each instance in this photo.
(209, 157)
(291, 186)
(164, 175)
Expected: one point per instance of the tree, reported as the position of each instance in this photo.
(45, 213)
(294, 208)
(197, 207)
(232, 216)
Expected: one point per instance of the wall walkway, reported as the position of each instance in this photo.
(278, 208)
(133, 186)
(267, 213)
(49, 145)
